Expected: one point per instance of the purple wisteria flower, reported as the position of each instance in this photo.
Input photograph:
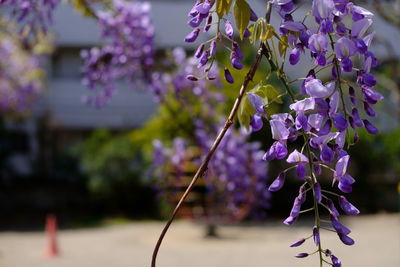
(347, 207)
(301, 107)
(228, 76)
(344, 49)
(316, 89)
(229, 29)
(317, 190)
(192, 36)
(322, 9)
(340, 228)
(318, 45)
(294, 213)
(298, 243)
(302, 255)
(283, 6)
(335, 261)
(202, 12)
(279, 130)
(256, 101)
(316, 235)
(300, 159)
(277, 184)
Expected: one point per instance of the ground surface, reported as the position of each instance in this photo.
(377, 244)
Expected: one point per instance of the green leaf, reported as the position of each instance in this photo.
(269, 95)
(252, 29)
(246, 110)
(267, 92)
(255, 31)
(268, 32)
(260, 90)
(241, 12)
(223, 7)
(260, 30)
(272, 93)
(282, 45)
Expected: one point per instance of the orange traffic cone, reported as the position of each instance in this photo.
(51, 232)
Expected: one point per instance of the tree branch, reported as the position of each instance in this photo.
(203, 167)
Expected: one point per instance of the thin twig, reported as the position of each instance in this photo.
(89, 9)
(203, 168)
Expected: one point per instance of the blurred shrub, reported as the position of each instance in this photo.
(114, 169)
(108, 160)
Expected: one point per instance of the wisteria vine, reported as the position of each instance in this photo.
(321, 113)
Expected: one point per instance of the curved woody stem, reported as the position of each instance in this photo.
(203, 167)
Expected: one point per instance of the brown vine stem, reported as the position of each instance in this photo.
(88, 8)
(203, 167)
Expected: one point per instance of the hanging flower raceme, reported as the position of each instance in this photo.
(33, 16)
(129, 53)
(325, 114)
(201, 18)
(20, 78)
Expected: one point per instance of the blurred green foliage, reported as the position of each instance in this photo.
(108, 160)
(383, 151)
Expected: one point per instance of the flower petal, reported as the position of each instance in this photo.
(296, 156)
(316, 89)
(347, 207)
(277, 184)
(256, 102)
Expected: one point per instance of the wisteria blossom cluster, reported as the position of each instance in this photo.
(164, 83)
(201, 17)
(236, 178)
(325, 114)
(237, 175)
(33, 16)
(235, 181)
(128, 54)
(20, 78)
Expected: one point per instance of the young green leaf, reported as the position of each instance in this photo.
(272, 93)
(252, 29)
(260, 30)
(255, 31)
(241, 12)
(267, 34)
(245, 112)
(282, 45)
(223, 7)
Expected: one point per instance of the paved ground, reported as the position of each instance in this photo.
(377, 244)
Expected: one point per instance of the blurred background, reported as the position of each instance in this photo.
(129, 160)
